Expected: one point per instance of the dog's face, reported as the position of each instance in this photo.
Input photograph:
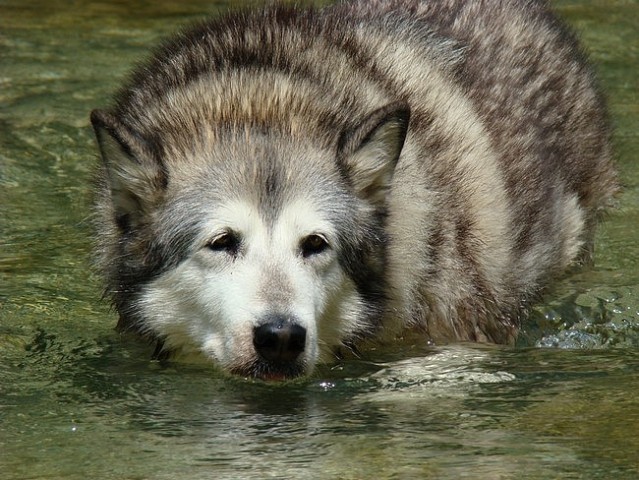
(265, 251)
(262, 297)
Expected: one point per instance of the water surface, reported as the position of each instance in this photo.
(77, 401)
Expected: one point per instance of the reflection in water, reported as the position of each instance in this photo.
(440, 413)
(77, 401)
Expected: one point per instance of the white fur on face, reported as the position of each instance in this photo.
(212, 301)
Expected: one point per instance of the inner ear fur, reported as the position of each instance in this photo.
(134, 177)
(368, 153)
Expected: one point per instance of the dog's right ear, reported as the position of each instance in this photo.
(134, 177)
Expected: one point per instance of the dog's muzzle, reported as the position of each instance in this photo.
(279, 340)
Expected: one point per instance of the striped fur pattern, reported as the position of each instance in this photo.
(452, 155)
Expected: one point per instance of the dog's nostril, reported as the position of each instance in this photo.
(279, 341)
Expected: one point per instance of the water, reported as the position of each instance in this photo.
(77, 401)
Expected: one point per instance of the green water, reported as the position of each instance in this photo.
(78, 402)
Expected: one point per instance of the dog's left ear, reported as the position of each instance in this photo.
(369, 152)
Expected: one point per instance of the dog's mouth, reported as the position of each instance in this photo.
(271, 371)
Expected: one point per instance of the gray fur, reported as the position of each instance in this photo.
(460, 148)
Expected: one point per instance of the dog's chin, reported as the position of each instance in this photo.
(271, 371)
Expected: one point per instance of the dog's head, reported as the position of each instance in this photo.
(261, 250)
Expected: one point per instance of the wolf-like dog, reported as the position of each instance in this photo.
(279, 183)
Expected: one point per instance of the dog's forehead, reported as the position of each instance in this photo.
(267, 172)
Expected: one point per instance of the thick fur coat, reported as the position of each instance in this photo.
(428, 164)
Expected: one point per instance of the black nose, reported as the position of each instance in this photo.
(279, 339)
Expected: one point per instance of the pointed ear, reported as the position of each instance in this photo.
(134, 178)
(369, 152)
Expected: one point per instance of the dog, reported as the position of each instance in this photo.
(280, 183)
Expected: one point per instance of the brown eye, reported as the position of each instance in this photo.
(228, 242)
(313, 245)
